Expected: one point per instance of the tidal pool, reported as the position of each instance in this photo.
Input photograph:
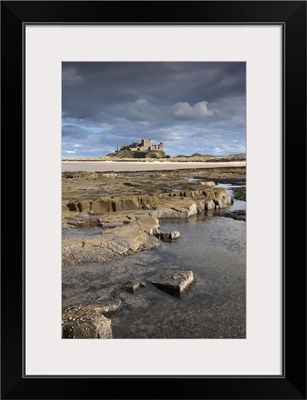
(214, 306)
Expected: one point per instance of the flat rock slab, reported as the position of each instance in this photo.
(113, 244)
(172, 282)
(85, 322)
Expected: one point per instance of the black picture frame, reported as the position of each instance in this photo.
(292, 16)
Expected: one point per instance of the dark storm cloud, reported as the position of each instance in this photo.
(191, 106)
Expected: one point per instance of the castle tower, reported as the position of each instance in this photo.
(146, 142)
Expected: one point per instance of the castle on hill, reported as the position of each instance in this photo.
(144, 145)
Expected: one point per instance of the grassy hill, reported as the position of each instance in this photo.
(138, 154)
(210, 158)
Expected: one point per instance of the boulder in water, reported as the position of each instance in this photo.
(173, 282)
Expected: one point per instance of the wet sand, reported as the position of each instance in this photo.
(142, 166)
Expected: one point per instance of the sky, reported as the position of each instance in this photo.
(189, 106)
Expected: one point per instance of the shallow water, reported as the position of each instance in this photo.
(238, 205)
(214, 306)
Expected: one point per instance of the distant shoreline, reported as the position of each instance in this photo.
(147, 161)
(179, 159)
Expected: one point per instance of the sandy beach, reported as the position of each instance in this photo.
(118, 166)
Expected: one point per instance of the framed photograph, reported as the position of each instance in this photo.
(132, 247)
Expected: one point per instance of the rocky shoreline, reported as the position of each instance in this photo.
(125, 208)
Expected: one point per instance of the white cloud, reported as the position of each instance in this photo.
(70, 151)
(185, 111)
(140, 110)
